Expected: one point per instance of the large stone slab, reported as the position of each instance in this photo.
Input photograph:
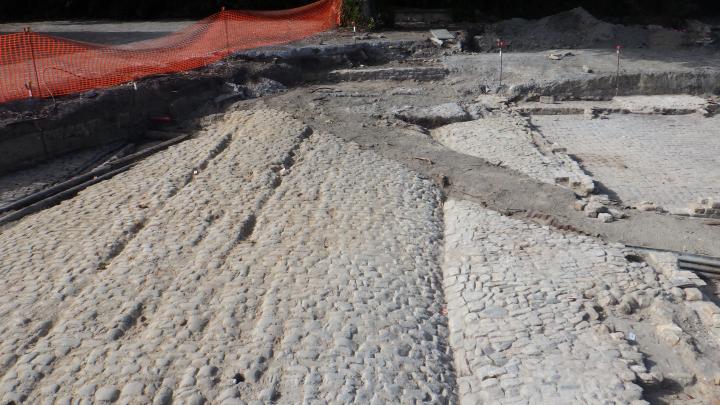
(420, 73)
(434, 116)
(442, 34)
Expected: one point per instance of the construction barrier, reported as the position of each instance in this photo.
(37, 65)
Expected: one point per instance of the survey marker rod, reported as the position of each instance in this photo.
(32, 53)
(617, 72)
(501, 44)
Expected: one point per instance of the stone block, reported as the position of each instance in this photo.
(670, 333)
(684, 379)
(605, 217)
(107, 394)
(696, 209)
(708, 312)
(442, 34)
(678, 293)
(648, 206)
(603, 199)
(693, 294)
(593, 208)
(616, 213)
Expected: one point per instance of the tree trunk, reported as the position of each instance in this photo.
(368, 8)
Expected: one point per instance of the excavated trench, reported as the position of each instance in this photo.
(161, 108)
(34, 131)
(606, 87)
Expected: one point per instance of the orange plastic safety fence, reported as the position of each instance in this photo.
(36, 65)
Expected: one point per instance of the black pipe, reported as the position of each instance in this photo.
(686, 256)
(59, 188)
(707, 261)
(699, 268)
(56, 198)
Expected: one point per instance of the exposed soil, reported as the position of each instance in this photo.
(366, 118)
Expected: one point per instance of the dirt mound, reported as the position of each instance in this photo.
(577, 28)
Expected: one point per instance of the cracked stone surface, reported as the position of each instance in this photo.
(434, 116)
(502, 140)
(669, 160)
(232, 268)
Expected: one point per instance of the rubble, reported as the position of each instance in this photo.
(560, 55)
(705, 207)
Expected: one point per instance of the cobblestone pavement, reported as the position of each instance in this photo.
(260, 262)
(500, 141)
(504, 140)
(527, 310)
(669, 160)
(236, 267)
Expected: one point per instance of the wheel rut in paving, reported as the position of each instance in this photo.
(288, 259)
(126, 217)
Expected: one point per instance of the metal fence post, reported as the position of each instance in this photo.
(28, 35)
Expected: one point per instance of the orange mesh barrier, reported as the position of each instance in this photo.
(36, 65)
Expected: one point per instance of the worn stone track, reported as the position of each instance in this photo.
(232, 268)
(265, 261)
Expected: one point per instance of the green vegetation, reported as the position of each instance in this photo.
(353, 14)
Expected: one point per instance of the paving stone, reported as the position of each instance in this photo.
(107, 393)
(536, 306)
(211, 266)
(504, 140)
(693, 294)
(667, 159)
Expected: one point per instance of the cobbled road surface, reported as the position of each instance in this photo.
(258, 262)
(263, 262)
